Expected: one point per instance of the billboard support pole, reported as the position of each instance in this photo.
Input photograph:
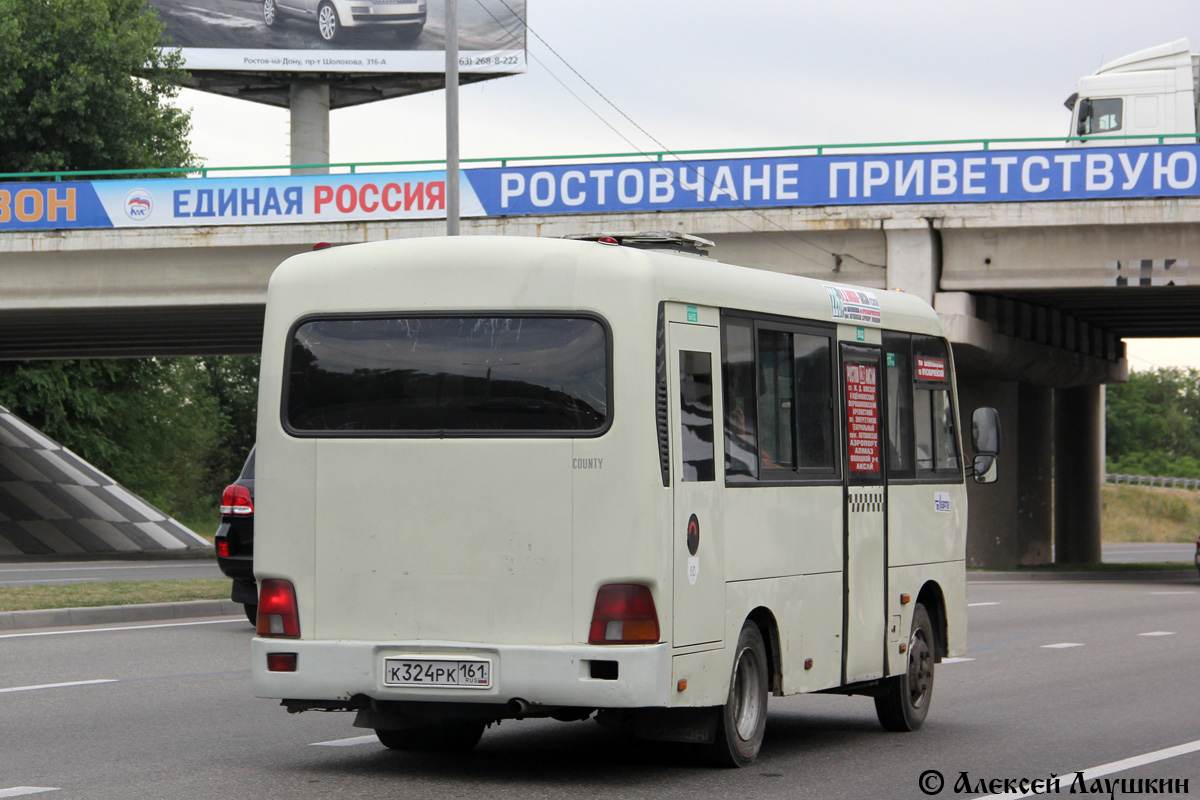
(309, 104)
(452, 206)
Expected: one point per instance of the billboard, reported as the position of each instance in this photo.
(992, 176)
(342, 36)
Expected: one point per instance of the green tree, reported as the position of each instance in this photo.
(1153, 423)
(174, 430)
(83, 86)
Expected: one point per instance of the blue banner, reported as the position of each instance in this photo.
(791, 181)
(973, 177)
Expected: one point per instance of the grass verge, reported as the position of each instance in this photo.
(111, 593)
(1141, 514)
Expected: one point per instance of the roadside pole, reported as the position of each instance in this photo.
(452, 117)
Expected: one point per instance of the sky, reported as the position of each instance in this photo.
(709, 74)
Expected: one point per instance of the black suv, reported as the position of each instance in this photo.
(235, 539)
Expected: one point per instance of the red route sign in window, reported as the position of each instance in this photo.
(862, 406)
(931, 369)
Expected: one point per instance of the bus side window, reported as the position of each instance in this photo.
(936, 433)
(814, 401)
(696, 416)
(741, 406)
(898, 361)
(776, 403)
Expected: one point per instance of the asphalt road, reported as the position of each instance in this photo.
(59, 572)
(1148, 552)
(175, 718)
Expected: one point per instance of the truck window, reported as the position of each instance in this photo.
(1100, 116)
(448, 375)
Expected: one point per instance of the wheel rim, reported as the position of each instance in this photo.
(747, 695)
(269, 11)
(920, 669)
(327, 20)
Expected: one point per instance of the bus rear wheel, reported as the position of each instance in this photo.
(742, 721)
(458, 736)
(906, 703)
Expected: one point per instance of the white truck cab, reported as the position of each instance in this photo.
(1151, 92)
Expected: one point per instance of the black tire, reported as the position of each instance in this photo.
(742, 721)
(459, 736)
(270, 13)
(906, 703)
(329, 27)
(251, 612)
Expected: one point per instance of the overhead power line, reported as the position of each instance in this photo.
(837, 257)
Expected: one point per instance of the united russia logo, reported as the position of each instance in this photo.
(138, 204)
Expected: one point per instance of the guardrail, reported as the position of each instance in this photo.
(656, 155)
(1155, 481)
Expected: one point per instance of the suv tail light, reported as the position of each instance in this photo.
(277, 614)
(236, 500)
(624, 614)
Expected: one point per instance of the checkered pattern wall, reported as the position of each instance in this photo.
(52, 501)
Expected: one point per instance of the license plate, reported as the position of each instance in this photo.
(438, 672)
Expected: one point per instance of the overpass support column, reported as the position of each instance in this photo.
(310, 126)
(1034, 462)
(1078, 473)
(1009, 523)
(992, 520)
(914, 257)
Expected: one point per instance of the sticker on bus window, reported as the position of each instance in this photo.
(862, 408)
(854, 305)
(931, 369)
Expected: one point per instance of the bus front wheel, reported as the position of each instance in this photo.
(906, 703)
(742, 721)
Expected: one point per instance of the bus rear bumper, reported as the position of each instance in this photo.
(583, 676)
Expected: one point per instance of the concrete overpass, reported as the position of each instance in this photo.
(1036, 296)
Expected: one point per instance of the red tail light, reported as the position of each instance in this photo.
(624, 614)
(282, 662)
(223, 548)
(277, 614)
(236, 500)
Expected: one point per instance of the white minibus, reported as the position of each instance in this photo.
(505, 477)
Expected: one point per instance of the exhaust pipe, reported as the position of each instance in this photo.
(518, 707)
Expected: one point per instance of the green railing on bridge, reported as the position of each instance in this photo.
(658, 155)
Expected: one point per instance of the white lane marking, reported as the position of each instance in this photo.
(126, 628)
(56, 685)
(973, 605)
(1162, 593)
(1062, 645)
(347, 742)
(1158, 633)
(17, 791)
(1091, 773)
(955, 660)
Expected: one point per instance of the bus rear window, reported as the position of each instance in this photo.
(464, 376)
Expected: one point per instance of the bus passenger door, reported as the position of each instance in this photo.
(864, 577)
(697, 480)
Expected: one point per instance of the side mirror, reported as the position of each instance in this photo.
(1085, 112)
(985, 470)
(985, 441)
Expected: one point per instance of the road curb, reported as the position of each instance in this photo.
(100, 615)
